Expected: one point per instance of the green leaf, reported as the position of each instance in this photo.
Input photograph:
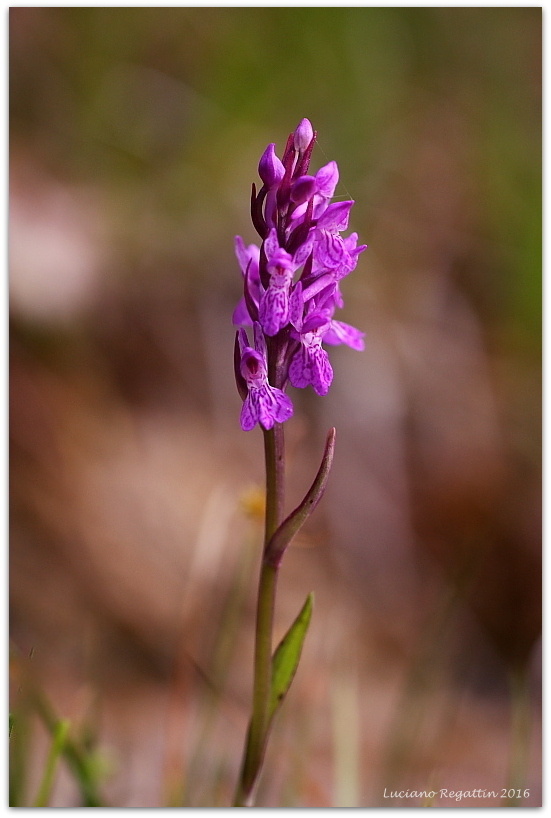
(296, 519)
(287, 656)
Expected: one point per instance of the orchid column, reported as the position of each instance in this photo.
(291, 292)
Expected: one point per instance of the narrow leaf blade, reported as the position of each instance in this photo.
(296, 519)
(287, 655)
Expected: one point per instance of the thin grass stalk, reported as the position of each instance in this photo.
(45, 789)
(520, 734)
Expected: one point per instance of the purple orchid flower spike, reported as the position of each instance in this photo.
(291, 282)
(264, 404)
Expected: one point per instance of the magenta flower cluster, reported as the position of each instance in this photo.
(291, 282)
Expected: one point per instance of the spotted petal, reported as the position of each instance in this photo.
(249, 412)
(271, 244)
(273, 312)
(303, 251)
(300, 369)
(322, 371)
(296, 306)
(266, 406)
(273, 406)
(330, 252)
(310, 367)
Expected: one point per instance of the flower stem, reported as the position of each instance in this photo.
(257, 734)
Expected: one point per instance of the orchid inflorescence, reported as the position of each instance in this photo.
(300, 231)
(291, 291)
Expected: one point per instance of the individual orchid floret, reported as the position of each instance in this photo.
(273, 311)
(331, 251)
(325, 301)
(310, 364)
(248, 258)
(353, 249)
(337, 255)
(264, 403)
(326, 178)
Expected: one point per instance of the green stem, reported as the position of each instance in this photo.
(76, 758)
(274, 455)
(520, 734)
(258, 728)
(58, 740)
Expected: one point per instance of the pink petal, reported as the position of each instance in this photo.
(249, 413)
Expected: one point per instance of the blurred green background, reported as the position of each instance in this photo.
(135, 134)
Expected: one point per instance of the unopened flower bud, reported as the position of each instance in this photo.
(303, 135)
(270, 167)
(303, 189)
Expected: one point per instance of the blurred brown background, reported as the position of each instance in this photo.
(135, 497)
